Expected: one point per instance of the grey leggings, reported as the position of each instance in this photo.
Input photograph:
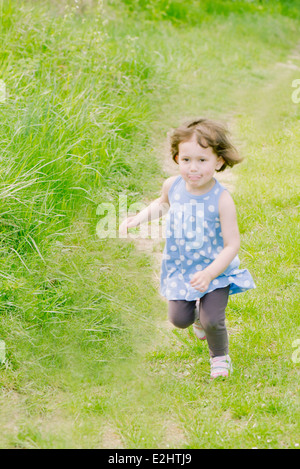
(211, 315)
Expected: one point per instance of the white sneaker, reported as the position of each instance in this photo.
(220, 366)
(198, 329)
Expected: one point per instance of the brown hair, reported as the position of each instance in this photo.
(209, 134)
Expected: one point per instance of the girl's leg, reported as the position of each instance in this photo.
(182, 313)
(212, 318)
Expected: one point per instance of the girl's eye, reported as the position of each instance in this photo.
(187, 159)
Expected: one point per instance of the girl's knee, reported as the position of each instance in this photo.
(180, 322)
(181, 313)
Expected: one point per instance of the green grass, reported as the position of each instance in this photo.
(194, 12)
(91, 94)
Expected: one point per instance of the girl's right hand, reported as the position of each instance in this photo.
(129, 222)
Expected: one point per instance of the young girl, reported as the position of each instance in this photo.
(200, 266)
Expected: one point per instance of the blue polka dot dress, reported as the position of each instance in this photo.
(193, 241)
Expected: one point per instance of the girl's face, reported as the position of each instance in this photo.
(197, 165)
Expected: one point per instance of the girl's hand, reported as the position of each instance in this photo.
(129, 222)
(201, 280)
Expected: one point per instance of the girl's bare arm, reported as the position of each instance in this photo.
(158, 208)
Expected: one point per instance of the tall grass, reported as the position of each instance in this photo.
(68, 124)
(79, 99)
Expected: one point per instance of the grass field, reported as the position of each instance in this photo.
(92, 89)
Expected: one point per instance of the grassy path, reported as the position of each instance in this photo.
(169, 400)
(258, 406)
(107, 369)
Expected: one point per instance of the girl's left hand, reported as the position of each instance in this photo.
(201, 280)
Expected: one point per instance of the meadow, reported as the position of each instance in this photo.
(91, 91)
